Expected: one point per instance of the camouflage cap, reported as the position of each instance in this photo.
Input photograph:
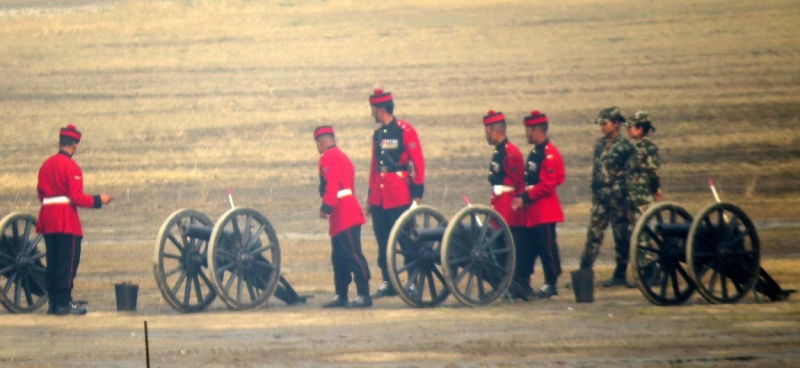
(610, 113)
(638, 117)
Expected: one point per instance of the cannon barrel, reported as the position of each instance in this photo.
(197, 231)
(429, 234)
(673, 230)
(435, 233)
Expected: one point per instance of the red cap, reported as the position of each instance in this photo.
(379, 97)
(325, 129)
(71, 131)
(493, 118)
(535, 118)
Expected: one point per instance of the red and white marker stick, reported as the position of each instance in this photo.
(713, 190)
(230, 197)
(466, 199)
(716, 196)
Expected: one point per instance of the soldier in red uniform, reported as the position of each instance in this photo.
(341, 208)
(396, 176)
(507, 178)
(61, 193)
(544, 171)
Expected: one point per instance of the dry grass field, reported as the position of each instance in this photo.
(178, 100)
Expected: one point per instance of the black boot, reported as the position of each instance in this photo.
(337, 302)
(362, 301)
(547, 291)
(70, 308)
(386, 289)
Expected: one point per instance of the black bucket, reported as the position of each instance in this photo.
(126, 296)
(583, 285)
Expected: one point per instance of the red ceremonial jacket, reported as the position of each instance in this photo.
(337, 189)
(61, 181)
(544, 170)
(396, 150)
(507, 177)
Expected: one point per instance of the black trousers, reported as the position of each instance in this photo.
(63, 257)
(382, 222)
(349, 263)
(538, 242)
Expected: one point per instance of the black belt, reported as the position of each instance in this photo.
(386, 169)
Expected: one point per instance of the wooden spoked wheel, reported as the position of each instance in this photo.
(414, 257)
(478, 256)
(180, 263)
(22, 264)
(724, 253)
(658, 254)
(244, 258)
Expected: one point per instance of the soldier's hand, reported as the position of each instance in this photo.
(659, 195)
(323, 215)
(417, 200)
(106, 198)
(517, 203)
(367, 210)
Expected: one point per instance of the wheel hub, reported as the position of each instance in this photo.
(479, 254)
(245, 257)
(24, 260)
(427, 253)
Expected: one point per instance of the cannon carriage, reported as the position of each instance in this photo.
(238, 258)
(22, 264)
(716, 253)
(471, 256)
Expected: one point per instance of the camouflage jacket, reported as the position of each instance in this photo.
(610, 157)
(640, 172)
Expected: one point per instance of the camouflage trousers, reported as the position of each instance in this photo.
(608, 208)
(636, 209)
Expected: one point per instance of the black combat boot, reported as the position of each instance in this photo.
(619, 278)
(337, 302)
(362, 301)
(386, 289)
(547, 291)
(70, 308)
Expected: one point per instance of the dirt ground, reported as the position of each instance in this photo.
(619, 329)
(180, 99)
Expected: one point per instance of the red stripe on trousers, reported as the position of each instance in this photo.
(72, 263)
(355, 255)
(550, 250)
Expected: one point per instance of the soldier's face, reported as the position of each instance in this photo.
(319, 147)
(635, 133)
(375, 114)
(69, 149)
(529, 135)
(607, 127)
(487, 130)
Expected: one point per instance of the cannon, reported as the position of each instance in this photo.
(22, 264)
(238, 258)
(471, 256)
(717, 253)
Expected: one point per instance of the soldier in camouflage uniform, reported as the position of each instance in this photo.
(640, 171)
(642, 182)
(609, 199)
